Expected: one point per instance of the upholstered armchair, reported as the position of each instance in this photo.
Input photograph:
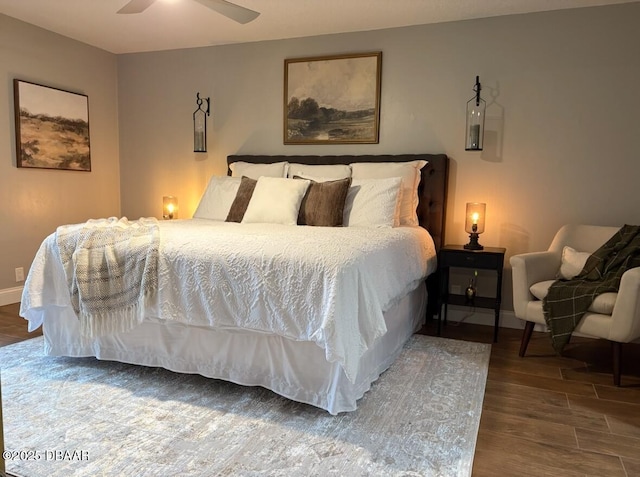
(612, 316)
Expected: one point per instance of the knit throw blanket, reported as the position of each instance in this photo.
(111, 267)
(568, 300)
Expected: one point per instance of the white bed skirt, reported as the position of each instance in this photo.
(297, 370)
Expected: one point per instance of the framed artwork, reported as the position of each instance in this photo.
(332, 99)
(52, 128)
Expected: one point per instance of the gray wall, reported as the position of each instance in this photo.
(34, 202)
(562, 124)
(561, 134)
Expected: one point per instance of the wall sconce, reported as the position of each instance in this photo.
(475, 120)
(200, 124)
(474, 224)
(169, 207)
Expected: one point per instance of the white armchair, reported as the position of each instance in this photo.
(612, 316)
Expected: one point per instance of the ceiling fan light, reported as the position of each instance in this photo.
(231, 10)
(136, 6)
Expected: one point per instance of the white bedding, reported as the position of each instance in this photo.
(296, 370)
(320, 284)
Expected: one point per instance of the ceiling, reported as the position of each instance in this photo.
(173, 24)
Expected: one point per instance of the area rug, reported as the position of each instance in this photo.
(84, 417)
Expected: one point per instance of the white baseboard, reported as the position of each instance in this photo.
(483, 316)
(10, 295)
(486, 317)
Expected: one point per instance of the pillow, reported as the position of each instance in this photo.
(276, 200)
(217, 198)
(323, 204)
(372, 202)
(602, 304)
(540, 289)
(572, 262)
(329, 172)
(410, 174)
(253, 171)
(241, 201)
(315, 178)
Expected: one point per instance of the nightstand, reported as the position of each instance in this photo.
(457, 256)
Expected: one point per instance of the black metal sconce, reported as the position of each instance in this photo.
(200, 124)
(475, 120)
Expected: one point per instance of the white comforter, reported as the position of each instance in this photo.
(326, 285)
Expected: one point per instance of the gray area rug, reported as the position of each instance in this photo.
(84, 417)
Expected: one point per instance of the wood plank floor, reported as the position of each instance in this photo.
(543, 415)
(13, 329)
(550, 415)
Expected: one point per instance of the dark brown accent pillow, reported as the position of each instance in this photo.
(241, 201)
(323, 204)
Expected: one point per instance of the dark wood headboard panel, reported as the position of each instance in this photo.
(432, 190)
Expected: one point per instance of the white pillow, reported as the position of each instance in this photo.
(217, 198)
(372, 202)
(541, 289)
(276, 200)
(572, 262)
(316, 178)
(329, 172)
(410, 174)
(253, 171)
(602, 304)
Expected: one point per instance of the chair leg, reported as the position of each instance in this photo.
(526, 336)
(616, 347)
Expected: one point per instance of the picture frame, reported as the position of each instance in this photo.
(52, 128)
(332, 99)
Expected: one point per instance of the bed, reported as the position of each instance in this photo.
(303, 311)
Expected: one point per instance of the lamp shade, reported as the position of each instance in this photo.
(169, 207)
(474, 218)
(474, 224)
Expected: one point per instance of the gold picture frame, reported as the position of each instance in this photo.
(52, 128)
(332, 99)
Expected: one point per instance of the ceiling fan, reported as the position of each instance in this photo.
(228, 9)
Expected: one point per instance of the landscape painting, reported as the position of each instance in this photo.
(332, 100)
(52, 128)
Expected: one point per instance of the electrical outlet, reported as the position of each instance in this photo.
(19, 274)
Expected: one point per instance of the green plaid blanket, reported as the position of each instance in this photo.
(568, 300)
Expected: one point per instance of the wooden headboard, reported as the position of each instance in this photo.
(432, 190)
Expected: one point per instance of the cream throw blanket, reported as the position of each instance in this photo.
(111, 267)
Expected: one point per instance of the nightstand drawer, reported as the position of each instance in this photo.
(471, 260)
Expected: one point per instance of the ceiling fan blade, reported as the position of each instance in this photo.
(136, 6)
(230, 10)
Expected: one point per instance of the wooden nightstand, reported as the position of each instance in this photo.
(457, 256)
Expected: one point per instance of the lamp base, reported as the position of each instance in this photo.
(473, 243)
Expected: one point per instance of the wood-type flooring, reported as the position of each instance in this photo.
(543, 415)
